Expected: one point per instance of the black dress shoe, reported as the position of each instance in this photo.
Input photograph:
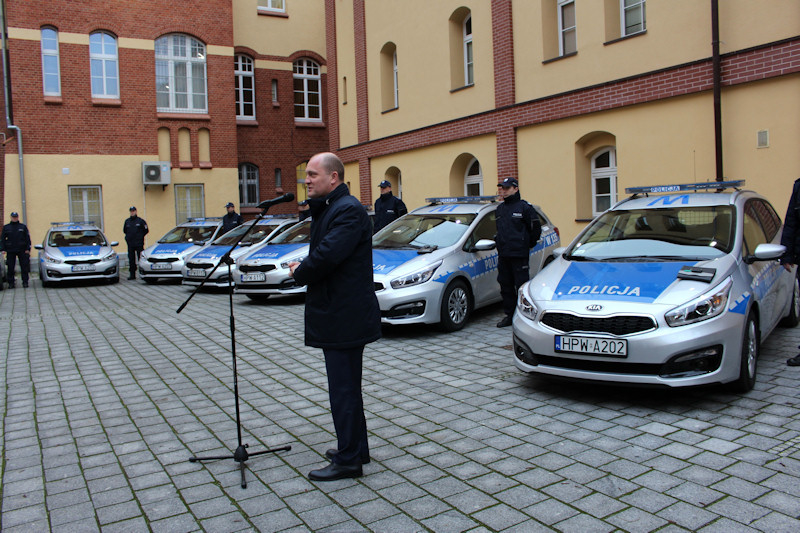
(505, 322)
(331, 453)
(332, 472)
(794, 361)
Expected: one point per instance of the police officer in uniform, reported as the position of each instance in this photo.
(15, 241)
(135, 229)
(518, 230)
(231, 218)
(387, 207)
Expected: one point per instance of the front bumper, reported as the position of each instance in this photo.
(418, 304)
(55, 272)
(220, 277)
(276, 280)
(161, 267)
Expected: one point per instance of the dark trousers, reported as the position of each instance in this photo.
(24, 266)
(133, 258)
(347, 407)
(512, 273)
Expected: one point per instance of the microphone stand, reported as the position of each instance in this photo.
(241, 454)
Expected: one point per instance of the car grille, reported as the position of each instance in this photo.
(81, 261)
(256, 268)
(615, 325)
(200, 265)
(162, 259)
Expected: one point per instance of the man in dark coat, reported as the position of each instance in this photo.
(231, 219)
(342, 313)
(790, 238)
(135, 229)
(15, 241)
(518, 230)
(387, 207)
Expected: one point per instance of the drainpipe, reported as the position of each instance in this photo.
(9, 120)
(716, 66)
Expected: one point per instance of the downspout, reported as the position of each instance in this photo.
(716, 66)
(9, 119)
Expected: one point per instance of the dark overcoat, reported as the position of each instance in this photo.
(342, 310)
(790, 237)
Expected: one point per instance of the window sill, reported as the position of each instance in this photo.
(206, 164)
(271, 13)
(303, 124)
(461, 88)
(185, 164)
(182, 116)
(389, 110)
(53, 100)
(245, 122)
(275, 104)
(625, 38)
(559, 58)
(106, 102)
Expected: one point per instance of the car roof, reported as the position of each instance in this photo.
(684, 195)
(73, 226)
(457, 205)
(201, 221)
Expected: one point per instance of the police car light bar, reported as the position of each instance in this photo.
(202, 219)
(456, 199)
(686, 187)
(70, 223)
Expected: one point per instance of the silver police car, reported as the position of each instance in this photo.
(76, 250)
(165, 259)
(264, 271)
(198, 265)
(438, 263)
(674, 289)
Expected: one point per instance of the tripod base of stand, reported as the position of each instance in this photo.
(240, 456)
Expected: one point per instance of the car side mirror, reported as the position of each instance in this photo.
(766, 252)
(114, 243)
(38, 246)
(484, 245)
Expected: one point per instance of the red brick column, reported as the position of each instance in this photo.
(503, 49)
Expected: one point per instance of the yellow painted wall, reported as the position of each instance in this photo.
(678, 31)
(46, 187)
(303, 29)
(345, 51)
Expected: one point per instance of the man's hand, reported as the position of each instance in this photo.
(292, 267)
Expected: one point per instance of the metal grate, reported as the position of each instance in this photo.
(615, 325)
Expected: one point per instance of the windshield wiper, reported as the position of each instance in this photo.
(580, 258)
(428, 248)
(643, 258)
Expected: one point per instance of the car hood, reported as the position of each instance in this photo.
(214, 252)
(171, 249)
(77, 252)
(402, 261)
(272, 252)
(565, 281)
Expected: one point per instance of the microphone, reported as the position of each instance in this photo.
(288, 197)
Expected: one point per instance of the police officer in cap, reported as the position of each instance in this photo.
(518, 230)
(15, 241)
(387, 207)
(231, 218)
(135, 228)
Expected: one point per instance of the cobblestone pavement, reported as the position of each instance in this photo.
(108, 391)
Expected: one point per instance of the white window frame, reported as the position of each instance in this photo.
(50, 55)
(174, 52)
(626, 7)
(273, 6)
(104, 65)
(307, 70)
(472, 179)
(469, 60)
(244, 71)
(609, 173)
(183, 200)
(396, 85)
(248, 177)
(563, 31)
(86, 213)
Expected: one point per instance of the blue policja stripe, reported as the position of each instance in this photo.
(275, 251)
(172, 248)
(75, 251)
(384, 261)
(212, 252)
(639, 282)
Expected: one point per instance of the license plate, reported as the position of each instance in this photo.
(257, 276)
(197, 273)
(82, 268)
(591, 345)
(161, 266)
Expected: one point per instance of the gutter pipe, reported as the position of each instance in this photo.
(9, 119)
(716, 66)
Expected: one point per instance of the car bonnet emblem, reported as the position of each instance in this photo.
(594, 307)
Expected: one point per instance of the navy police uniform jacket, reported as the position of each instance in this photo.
(15, 238)
(388, 208)
(135, 228)
(342, 310)
(230, 221)
(518, 227)
(790, 237)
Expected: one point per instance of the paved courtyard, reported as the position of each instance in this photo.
(108, 392)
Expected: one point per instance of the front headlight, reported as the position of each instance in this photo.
(526, 307)
(50, 259)
(709, 305)
(415, 278)
(285, 264)
(110, 256)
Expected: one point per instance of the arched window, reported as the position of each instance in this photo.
(51, 70)
(389, 88)
(604, 180)
(307, 91)
(248, 184)
(103, 64)
(181, 74)
(245, 88)
(473, 179)
(469, 78)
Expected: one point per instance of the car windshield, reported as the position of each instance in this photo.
(299, 233)
(76, 238)
(261, 231)
(184, 234)
(699, 233)
(423, 231)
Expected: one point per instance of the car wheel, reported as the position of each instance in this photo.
(792, 319)
(150, 281)
(456, 306)
(748, 364)
(258, 297)
(113, 280)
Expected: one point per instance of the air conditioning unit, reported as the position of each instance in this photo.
(155, 173)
